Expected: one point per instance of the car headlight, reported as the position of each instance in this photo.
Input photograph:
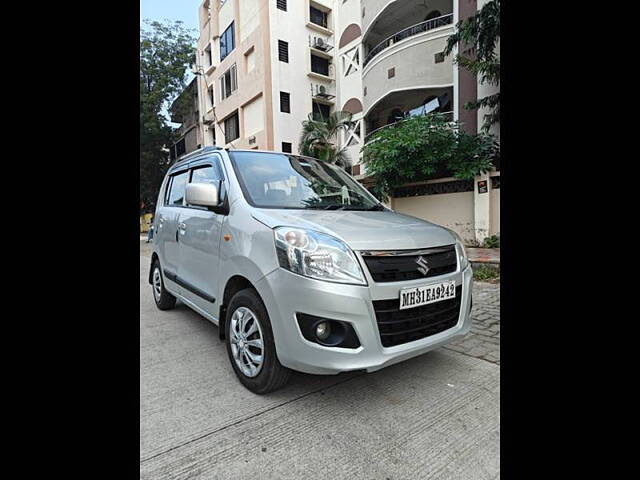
(463, 260)
(317, 255)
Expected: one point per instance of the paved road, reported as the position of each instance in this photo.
(435, 416)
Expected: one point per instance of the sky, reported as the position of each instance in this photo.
(184, 10)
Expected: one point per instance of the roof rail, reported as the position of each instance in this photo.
(195, 153)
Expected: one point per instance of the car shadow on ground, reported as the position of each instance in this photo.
(304, 383)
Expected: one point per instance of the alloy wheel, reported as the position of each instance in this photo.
(157, 284)
(246, 339)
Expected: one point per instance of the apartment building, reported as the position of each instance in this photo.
(265, 65)
(185, 111)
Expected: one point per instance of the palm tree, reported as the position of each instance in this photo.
(319, 136)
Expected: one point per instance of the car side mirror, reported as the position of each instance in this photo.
(202, 195)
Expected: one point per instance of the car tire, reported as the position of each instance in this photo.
(241, 338)
(164, 300)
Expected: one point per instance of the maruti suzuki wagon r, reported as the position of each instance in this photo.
(301, 267)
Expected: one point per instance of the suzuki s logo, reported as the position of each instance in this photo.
(423, 266)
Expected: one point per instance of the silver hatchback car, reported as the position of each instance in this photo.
(302, 268)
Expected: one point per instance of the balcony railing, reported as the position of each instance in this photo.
(368, 137)
(409, 32)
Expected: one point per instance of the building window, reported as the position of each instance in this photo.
(231, 128)
(286, 147)
(207, 55)
(285, 102)
(320, 111)
(250, 59)
(229, 82)
(210, 95)
(282, 4)
(227, 43)
(283, 51)
(318, 16)
(391, 72)
(319, 65)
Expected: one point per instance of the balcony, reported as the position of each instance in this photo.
(413, 64)
(398, 106)
(369, 136)
(412, 31)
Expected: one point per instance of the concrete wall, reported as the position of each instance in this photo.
(451, 210)
(253, 95)
(349, 86)
(494, 227)
(294, 77)
(373, 8)
(414, 63)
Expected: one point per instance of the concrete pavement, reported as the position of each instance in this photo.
(435, 416)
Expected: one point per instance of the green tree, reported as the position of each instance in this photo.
(424, 147)
(478, 36)
(319, 137)
(166, 51)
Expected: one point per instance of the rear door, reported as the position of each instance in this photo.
(200, 232)
(167, 225)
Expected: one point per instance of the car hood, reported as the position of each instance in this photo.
(375, 230)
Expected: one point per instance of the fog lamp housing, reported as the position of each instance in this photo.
(327, 332)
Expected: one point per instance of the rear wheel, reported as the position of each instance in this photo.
(250, 344)
(164, 300)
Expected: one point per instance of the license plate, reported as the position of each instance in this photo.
(418, 296)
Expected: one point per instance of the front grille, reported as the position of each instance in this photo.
(401, 326)
(403, 267)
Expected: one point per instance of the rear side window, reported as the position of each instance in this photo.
(176, 194)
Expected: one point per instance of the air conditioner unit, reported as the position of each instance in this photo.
(321, 91)
(319, 43)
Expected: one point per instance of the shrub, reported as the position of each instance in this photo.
(492, 242)
(424, 147)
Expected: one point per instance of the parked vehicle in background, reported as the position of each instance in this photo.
(302, 268)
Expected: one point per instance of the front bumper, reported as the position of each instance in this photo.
(285, 293)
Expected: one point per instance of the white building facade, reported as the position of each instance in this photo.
(265, 65)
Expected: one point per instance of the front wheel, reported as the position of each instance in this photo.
(164, 300)
(250, 344)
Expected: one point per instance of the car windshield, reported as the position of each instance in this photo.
(275, 180)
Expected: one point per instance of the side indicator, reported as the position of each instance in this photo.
(226, 237)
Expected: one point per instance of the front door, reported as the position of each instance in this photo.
(166, 236)
(199, 237)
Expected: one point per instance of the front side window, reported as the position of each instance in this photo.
(207, 174)
(275, 180)
(227, 42)
(178, 184)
